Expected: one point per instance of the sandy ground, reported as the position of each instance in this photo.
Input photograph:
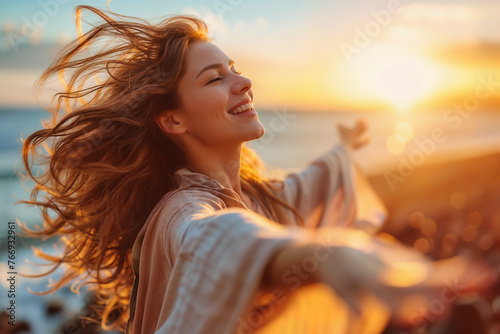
(444, 210)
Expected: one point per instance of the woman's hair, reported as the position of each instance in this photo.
(107, 162)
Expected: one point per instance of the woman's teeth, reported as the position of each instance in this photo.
(241, 109)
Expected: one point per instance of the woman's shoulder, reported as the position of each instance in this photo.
(183, 205)
(174, 211)
(189, 199)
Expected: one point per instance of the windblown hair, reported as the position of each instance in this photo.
(108, 163)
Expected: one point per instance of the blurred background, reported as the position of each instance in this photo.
(424, 74)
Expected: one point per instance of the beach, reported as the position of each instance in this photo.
(449, 209)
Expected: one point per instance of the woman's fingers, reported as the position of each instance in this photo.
(356, 136)
(362, 141)
(408, 283)
(469, 275)
(361, 126)
(445, 283)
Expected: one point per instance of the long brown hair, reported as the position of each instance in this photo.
(108, 163)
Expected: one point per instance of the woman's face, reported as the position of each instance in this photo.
(216, 103)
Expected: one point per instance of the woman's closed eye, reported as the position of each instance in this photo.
(220, 78)
(214, 80)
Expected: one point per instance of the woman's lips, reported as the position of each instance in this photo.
(251, 112)
(241, 108)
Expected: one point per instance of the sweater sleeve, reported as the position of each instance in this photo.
(220, 258)
(332, 191)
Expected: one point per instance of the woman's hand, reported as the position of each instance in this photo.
(355, 264)
(354, 137)
(401, 278)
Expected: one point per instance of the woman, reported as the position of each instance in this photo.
(166, 212)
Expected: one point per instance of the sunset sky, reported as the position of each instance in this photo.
(302, 55)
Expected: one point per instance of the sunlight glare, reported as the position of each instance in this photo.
(404, 131)
(394, 145)
(397, 76)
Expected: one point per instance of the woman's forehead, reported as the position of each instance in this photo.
(202, 53)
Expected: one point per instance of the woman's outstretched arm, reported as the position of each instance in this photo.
(355, 264)
(332, 191)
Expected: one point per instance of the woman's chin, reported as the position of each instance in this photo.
(257, 133)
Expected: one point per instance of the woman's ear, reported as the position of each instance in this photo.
(170, 122)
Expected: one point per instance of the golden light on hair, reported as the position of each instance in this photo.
(47, 148)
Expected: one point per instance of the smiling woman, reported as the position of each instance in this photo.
(163, 209)
(212, 84)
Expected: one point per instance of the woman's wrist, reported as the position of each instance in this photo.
(298, 259)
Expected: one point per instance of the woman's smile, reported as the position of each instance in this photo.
(245, 108)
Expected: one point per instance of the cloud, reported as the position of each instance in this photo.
(439, 13)
(223, 28)
(258, 24)
(16, 87)
(215, 21)
(483, 54)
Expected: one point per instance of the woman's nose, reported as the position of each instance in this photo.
(241, 85)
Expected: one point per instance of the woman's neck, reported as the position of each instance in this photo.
(221, 164)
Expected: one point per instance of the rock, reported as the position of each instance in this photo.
(53, 307)
(21, 326)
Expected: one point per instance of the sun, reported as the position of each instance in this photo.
(397, 76)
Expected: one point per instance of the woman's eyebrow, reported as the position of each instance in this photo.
(216, 65)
